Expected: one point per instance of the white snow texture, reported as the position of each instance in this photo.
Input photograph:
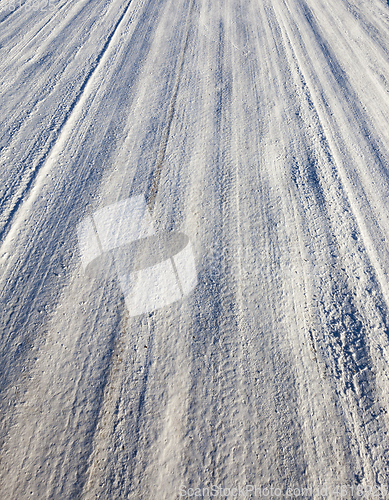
(194, 254)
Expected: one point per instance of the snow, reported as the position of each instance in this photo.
(194, 249)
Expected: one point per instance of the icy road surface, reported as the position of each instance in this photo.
(258, 130)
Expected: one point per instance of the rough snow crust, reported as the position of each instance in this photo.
(259, 129)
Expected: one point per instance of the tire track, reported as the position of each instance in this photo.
(351, 360)
(41, 28)
(43, 164)
(369, 28)
(371, 141)
(377, 150)
(43, 61)
(243, 370)
(156, 175)
(53, 241)
(122, 485)
(53, 236)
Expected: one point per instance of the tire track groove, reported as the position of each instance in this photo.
(156, 176)
(10, 212)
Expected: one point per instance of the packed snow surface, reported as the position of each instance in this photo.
(194, 253)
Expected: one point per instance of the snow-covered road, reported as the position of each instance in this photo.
(259, 130)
